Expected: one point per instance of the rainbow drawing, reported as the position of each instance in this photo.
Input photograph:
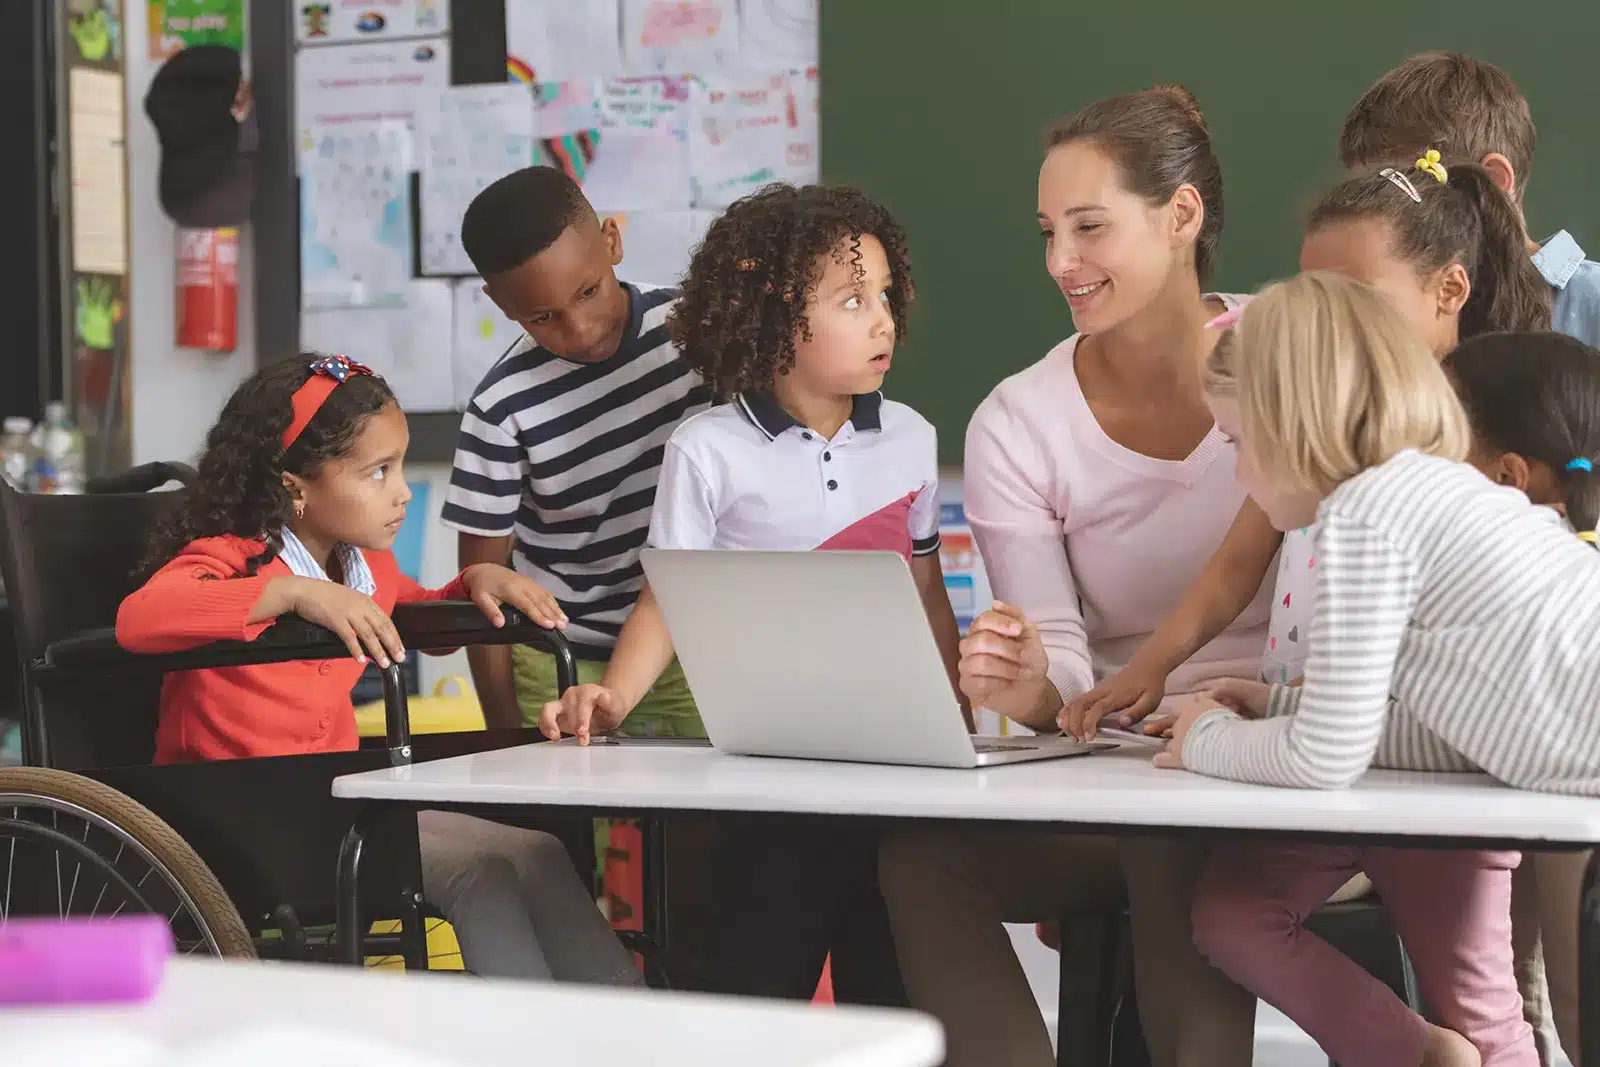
(518, 71)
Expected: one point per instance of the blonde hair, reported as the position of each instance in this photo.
(1331, 379)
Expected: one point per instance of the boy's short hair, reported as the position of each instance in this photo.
(519, 216)
(1332, 379)
(1464, 107)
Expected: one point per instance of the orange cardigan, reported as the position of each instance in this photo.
(274, 709)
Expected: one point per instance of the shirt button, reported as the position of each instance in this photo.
(324, 668)
(827, 457)
(832, 484)
(805, 437)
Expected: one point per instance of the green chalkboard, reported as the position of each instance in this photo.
(938, 108)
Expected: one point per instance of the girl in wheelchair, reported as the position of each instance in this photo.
(301, 492)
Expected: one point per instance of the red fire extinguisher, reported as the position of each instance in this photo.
(208, 289)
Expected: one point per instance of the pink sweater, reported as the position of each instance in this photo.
(1096, 542)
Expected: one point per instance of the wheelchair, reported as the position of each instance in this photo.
(239, 855)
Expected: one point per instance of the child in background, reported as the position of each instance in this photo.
(1437, 593)
(301, 492)
(1471, 112)
(1446, 248)
(791, 310)
(1474, 112)
(1534, 404)
(560, 448)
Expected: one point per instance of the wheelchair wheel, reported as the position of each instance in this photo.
(71, 847)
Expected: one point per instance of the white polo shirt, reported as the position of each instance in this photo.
(747, 475)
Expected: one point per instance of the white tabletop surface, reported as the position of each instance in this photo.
(1112, 789)
(276, 1013)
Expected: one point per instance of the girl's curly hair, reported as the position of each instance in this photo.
(745, 294)
(239, 490)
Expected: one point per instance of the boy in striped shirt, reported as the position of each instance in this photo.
(560, 449)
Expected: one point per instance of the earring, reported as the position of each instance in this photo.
(299, 510)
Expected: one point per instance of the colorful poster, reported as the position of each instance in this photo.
(679, 35)
(642, 160)
(561, 40)
(384, 81)
(355, 215)
(567, 120)
(179, 24)
(748, 130)
(342, 21)
(472, 136)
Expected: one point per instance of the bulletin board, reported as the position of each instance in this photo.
(665, 111)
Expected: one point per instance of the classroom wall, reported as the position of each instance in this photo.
(177, 393)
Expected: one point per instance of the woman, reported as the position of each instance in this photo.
(1097, 487)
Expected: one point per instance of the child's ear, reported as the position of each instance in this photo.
(1502, 172)
(1453, 289)
(294, 486)
(1510, 468)
(613, 235)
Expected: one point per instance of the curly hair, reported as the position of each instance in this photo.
(744, 297)
(239, 490)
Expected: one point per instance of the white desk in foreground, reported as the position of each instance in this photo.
(376, 1017)
(1111, 792)
(1118, 789)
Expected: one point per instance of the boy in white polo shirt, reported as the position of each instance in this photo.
(790, 310)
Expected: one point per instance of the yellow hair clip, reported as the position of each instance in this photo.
(1590, 536)
(1431, 164)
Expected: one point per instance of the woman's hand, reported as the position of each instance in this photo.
(1003, 663)
(355, 617)
(491, 585)
(1130, 695)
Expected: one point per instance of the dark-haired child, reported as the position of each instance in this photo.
(561, 447)
(791, 310)
(300, 494)
(1534, 404)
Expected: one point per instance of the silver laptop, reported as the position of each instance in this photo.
(821, 655)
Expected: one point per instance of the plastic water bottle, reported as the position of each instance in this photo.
(16, 452)
(59, 460)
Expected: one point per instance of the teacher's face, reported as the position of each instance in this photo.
(1108, 250)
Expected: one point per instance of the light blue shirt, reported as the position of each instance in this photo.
(1577, 285)
(357, 575)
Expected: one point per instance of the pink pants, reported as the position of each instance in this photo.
(1452, 911)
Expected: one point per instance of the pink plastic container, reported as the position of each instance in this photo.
(82, 961)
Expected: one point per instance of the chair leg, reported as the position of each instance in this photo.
(413, 931)
(348, 934)
(1089, 991)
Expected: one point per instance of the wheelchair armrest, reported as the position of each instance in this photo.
(290, 638)
(143, 478)
(431, 625)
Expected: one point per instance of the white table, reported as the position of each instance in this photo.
(455, 1021)
(1115, 792)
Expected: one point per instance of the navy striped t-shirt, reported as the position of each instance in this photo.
(566, 457)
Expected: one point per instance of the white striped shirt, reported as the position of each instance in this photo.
(566, 457)
(1457, 628)
(353, 565)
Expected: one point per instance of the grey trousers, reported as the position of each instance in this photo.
(517, 904)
